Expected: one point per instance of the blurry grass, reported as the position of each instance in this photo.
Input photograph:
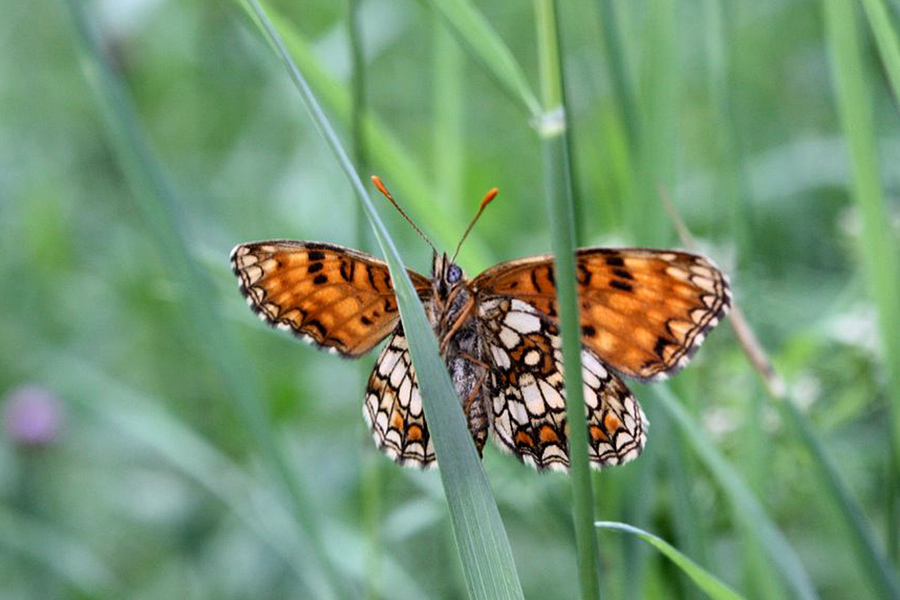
(888, 39)
(558, 189)
(57, 553)
(256, 504)
(879, 247)
(657, 127)
(706, 581)
(159, 204)
(622, 90)
(474, 31)
(881, 574)
(386, 153)
(480, 536)
(745, 507)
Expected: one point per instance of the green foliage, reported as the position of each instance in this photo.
(204, 456)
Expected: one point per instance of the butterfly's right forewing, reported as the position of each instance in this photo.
(335, 297)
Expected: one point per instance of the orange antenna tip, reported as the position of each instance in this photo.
(380, 185)
(383, 189)
(492, 193)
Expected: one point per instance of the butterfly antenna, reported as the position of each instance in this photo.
(492, 193)
(381, 188)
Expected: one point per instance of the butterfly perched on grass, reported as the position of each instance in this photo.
(643, 314)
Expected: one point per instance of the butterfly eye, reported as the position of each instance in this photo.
(454, 274)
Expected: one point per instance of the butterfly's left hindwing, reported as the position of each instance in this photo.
(528, 405)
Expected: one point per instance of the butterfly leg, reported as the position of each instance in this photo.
(463, 316)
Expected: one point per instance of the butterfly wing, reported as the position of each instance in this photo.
(393, 407)
(643, 312)
(528, 405)
(335, 297)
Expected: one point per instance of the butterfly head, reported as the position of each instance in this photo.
(446, 276)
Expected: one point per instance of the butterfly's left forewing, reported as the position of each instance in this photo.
(643, 312)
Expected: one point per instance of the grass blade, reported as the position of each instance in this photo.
(887, 39)
(476, 34)
(746, 508)
(481, 539)
(559, 191)
(705, 580)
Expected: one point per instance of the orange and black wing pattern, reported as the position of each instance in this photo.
(337, 298)
(643, 312)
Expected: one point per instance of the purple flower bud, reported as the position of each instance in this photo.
(32, 416)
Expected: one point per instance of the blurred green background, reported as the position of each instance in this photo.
(130, 462)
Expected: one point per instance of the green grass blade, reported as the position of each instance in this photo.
(879, 247)
(657, 122)
(622, 90)
(476, 34)
(159, 205)
(484, 549)
(746, 507)
(887, 39)
(559, 192)
(705, 580)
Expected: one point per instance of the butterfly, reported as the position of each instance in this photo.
(643, 313)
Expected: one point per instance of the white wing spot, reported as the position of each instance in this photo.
(523, 322)
(509, 337)
(501, 358)
(533, 400)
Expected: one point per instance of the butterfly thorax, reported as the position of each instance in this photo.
(452, 315)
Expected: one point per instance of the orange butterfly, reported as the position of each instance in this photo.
(643, 314)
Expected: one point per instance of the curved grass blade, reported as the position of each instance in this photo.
(476, 34)
(705, 580)
(559, 188)
(745, 506)
(484, 549)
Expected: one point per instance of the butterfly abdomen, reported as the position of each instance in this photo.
(468, 371)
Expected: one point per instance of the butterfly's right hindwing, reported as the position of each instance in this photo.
(393, 407)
